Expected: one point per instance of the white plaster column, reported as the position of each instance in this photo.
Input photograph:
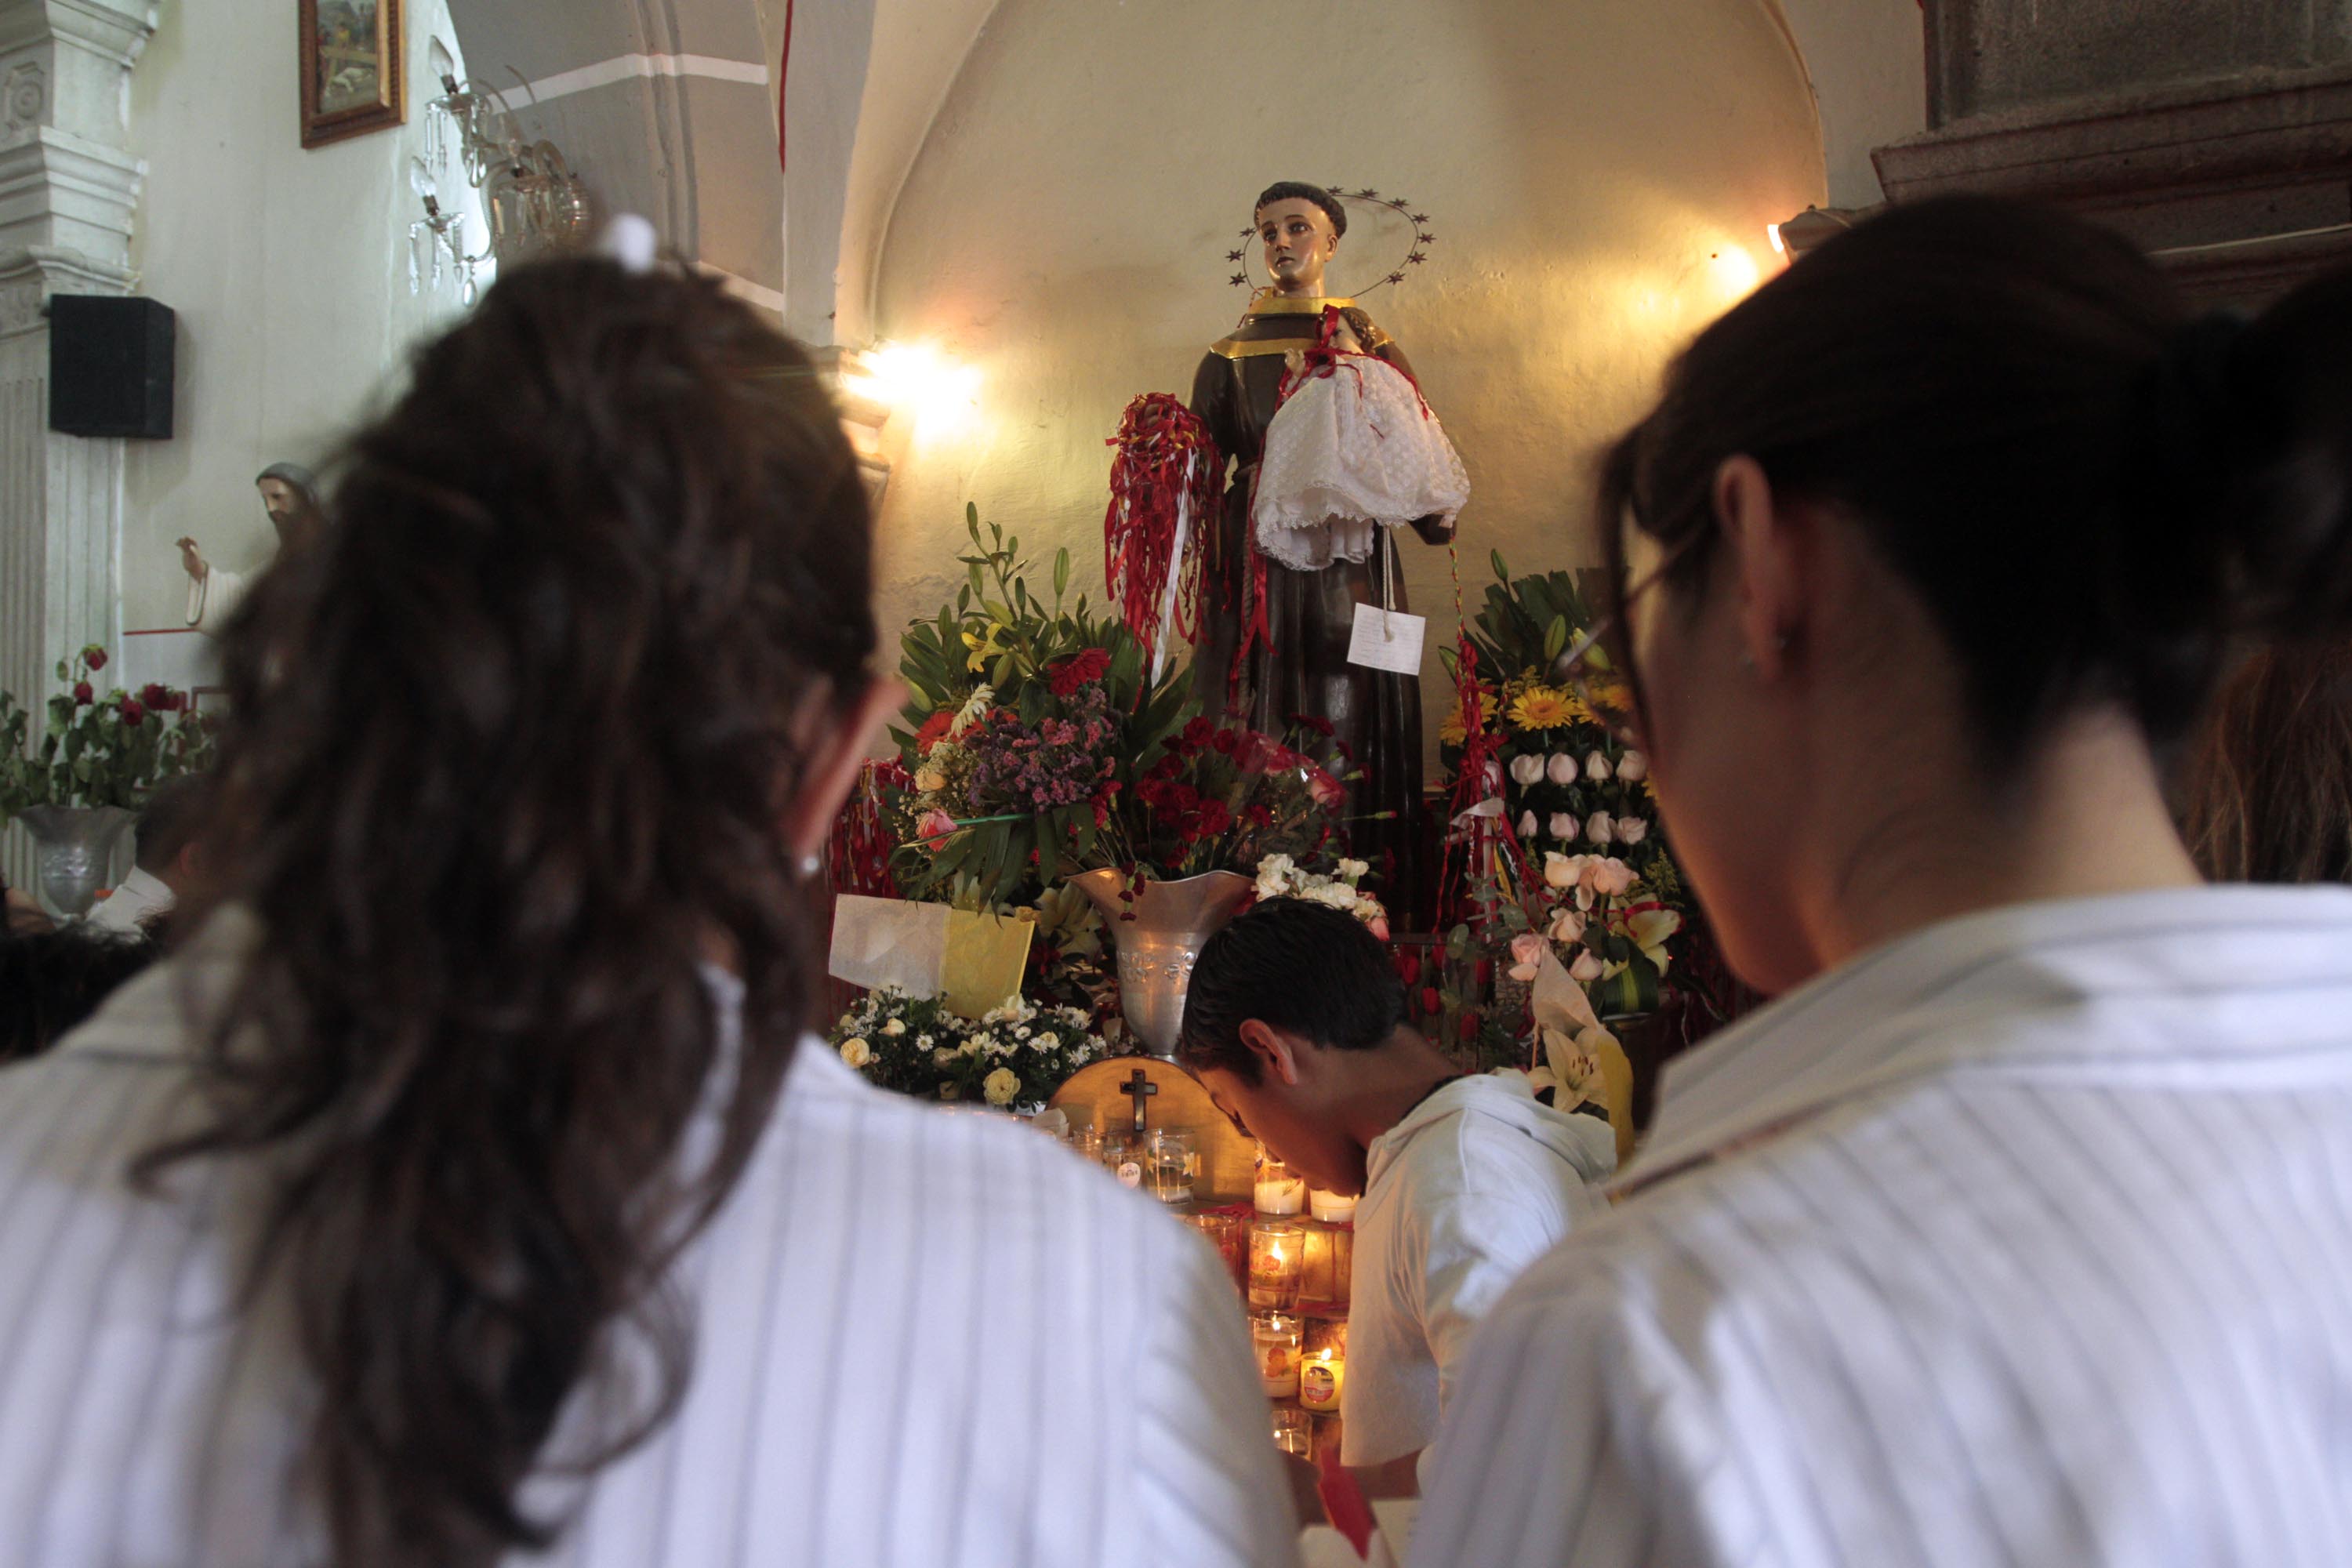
(69, 187)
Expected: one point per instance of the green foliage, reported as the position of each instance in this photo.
(97, 750)
(1525, 623)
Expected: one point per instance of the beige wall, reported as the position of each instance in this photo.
(287, 270)
(1600, 174)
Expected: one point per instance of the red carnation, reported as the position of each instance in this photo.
(158, 697)
(81, 693)
(1197, 732)
(1224, 741)
(131, 712)
(1066, 675)
(96, 658)
(1214, 818)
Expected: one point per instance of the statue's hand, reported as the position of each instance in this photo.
(192, 560)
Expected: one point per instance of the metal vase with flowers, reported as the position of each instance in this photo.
(1160, 929)
(73, 846)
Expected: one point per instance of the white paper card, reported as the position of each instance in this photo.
(1387, 640)
(890, 942)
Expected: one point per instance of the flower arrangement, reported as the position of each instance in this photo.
(1016, 1055)
(1037, 746)
(1600, 886)
(1279, 877)
(98, 750)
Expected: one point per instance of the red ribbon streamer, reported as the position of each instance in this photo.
(1165, 456)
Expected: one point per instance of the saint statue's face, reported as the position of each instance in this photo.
(285, 505)
(1299, 243)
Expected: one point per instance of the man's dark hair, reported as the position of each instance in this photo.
(50, 981)
(1300, 191)
(169, 822)
(1304, 968)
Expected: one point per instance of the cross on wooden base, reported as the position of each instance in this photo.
(1141, 1089)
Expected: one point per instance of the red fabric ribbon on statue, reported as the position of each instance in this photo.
(1165, 457)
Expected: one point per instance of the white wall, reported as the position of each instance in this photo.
(1867, 61)
(287, 269)
(1600, 173)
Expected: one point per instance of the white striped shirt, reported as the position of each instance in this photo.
(2026, 1239)
(923, 1338)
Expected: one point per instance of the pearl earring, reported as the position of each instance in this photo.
(811, 865)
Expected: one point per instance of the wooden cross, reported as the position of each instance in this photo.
(1141, 1088)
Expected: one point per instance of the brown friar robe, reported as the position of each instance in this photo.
(1300, 669)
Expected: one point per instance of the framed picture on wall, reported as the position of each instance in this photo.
(352, 78)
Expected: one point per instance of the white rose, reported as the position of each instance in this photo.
(1633, 767)
(1001, 1086)
(1526, 825)
(1632, 830)
(1561, 769)
(1563, 826)
(895, 1027)
(855, 1051)
(1601, 829)
(1526, 770)
(1585, 970)
(1350, 871)
(930, 779)
(1596, 767)
(944, 1056)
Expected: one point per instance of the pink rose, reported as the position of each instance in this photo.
(1632, 830)
(1598, 829)
(1527, 952)
(1633, 767)
(1611, 877)
(1585, 970)
(932, 826)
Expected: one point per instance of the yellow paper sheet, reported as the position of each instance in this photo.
(985, 959)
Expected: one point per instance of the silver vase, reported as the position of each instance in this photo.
(1159, 944)
(73, 848)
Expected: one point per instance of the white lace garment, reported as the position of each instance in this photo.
(1346, 452)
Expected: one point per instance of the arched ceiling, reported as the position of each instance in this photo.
(668, 106)
(663, 106)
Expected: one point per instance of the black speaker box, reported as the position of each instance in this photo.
(110, 366)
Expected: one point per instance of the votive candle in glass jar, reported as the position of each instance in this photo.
(1320, 1377)
(1328, 1255)
(1276, 1255)
(1274, 1340)
(1122, 1156)
(1170, 1160)
(1332, 1208)
(1229, 1234)
(1278, 1189)
(1293, 1431)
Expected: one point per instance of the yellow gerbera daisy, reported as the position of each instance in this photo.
(1543, 708)
(1450, 731)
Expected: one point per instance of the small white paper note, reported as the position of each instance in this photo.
(1387, 640)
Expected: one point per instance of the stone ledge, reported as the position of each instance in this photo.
(2184, 165)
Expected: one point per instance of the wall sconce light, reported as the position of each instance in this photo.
(1793, 237)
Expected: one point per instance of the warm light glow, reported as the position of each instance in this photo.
(916, 379)
(1773, 232)
(1736, 272)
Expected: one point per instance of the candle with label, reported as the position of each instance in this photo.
(1326, 1258)
(1276, 1254)
(1320, 1378)
(1332, 1208)
(1275, 1339)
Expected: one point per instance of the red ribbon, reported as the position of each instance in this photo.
(1165, 456)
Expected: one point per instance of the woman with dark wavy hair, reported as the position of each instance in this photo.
(498, 1198)
(2018, 1229)
(2269, 793)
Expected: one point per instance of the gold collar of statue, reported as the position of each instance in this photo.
(1269, 303)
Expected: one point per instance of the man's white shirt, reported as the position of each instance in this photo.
(1471, 1185)
(2025, 1239)
(923, 1338)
